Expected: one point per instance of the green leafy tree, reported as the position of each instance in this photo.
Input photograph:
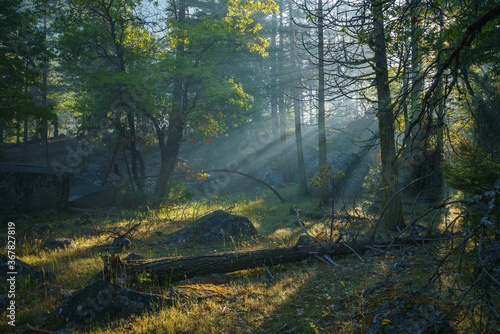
(471, 170)
(197, 61)
(105, 44)
(23, 54)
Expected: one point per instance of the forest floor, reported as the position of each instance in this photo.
(305, 297)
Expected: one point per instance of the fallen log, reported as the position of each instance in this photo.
(171, 269)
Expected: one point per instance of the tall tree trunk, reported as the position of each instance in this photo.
(2, 154)
(56, 128)
(439, 150)
(175, 128)
(137, 161)
(44, 98)
(394, 216)
(416, 81)
(296, 107)
(274, 84)
(323, 163)
(439, 178)
(418, 145)
(168, 154)
(26, 128)
(285, 164)
(129, 106)
(18, 128)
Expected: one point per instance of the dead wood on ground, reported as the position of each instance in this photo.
(171, 269)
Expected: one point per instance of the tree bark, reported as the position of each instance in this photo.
(323, 162)
(394, 217)
(135, 154)
(168, 154)
(44, 97)
(25, 129)
(274, 84)
(176, 123)
(18, 130)
(171, 269)
(296, 107)
(282, 110)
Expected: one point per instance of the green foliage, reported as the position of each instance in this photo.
(204, 50)
(471, 170)
(373, 181)
(107, 47)
(23, 54)
(179, 193)
(144, 278)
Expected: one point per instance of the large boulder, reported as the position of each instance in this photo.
(104, 300)
(30, 188)
(90, 196)
(215, 227)
(403, 313)
(59, 243)
(21, 268)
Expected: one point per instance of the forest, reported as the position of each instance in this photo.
(250, 166)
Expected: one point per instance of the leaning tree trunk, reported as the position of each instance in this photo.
(171, 269)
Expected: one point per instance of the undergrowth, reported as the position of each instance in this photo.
(306, 297)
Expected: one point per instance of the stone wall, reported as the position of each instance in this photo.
(30, 188)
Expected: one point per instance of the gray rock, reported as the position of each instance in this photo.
(90, 196)
(59, 243)
(22, 269)
(304, 240)
(30, 188)
(215, 227)
(103, 300)
(406, 315)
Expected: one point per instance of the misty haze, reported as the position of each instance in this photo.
(249, 166)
